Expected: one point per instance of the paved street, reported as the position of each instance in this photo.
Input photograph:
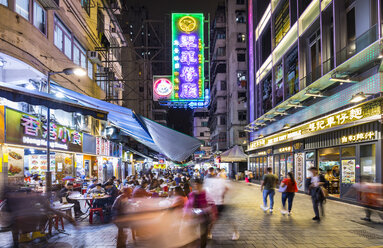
(341, 227)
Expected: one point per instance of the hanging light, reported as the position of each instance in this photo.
(358, 97)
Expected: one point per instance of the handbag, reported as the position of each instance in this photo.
(282, 189)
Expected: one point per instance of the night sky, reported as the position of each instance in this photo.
(178, 119)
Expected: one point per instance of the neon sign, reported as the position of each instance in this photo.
(162, 87)
(188, 57)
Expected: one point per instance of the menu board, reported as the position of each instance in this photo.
(16, 162)
(299, 174)
(348, 171)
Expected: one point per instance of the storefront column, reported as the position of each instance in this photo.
(3, 172)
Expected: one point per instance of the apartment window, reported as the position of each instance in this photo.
(201, 134)
(79, 54)
(221, 51)
(221, 35)
(86, 6)
(39, 17)
(90, 69)
(222, 137)
(22, 8)
(240, 16)
(241, 57)
(241, 95)
(204, 123)
(241, 79)
(4, 2)
(240, 1)
(222, 120)
(241, 37)
(241, 134)
(62, 38)
(141, 89)
(242, 115)
(223, 85)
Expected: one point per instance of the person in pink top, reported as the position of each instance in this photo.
(289, 193)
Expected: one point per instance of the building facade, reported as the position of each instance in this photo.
(228, 108)
(201, 131)
(314, 90)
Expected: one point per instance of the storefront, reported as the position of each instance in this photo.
(24, 146)
(345, 147)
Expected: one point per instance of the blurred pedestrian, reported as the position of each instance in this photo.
(289, 193)
(315, 182)
(269, 182)
(119, 206)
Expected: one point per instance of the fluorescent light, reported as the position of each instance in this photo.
(343, 80)
(286, 126)
(260, 124)
(30, 87)
(60, 95)
(79, 72)
(314, 94)
(295, 105)
(268, 119)
(358, 97)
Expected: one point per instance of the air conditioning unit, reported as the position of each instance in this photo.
(95, 57)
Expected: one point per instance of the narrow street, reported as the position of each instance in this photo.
(341, 227)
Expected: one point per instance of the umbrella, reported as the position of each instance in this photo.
(234, 154)
(69, 178)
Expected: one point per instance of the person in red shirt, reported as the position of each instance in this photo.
(289, 193)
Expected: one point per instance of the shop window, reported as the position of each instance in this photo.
(62, 38)
(22, 8)
(240, 16)
(310, 155)
(4, 2)
(368, 163)
(329, 166)
(276, 165)
(241, 95)
(348, 151)
(39, 17)
(204, 123)
(282, 163)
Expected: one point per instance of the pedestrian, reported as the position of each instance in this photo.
(289, 193)
(314, 184)
(268, 185)
(64, 194)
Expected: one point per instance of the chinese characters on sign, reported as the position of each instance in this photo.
(30, 130)
(188, 57)
(338, 119)
(358, 137)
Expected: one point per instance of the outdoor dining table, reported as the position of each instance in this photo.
(87, 199)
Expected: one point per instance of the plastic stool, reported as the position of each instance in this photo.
(92, 211)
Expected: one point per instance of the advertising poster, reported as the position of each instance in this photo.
(299, 174)
(348, 171)
(16, 162)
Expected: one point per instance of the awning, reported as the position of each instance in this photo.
(21, 94)
(174, 145)
(234, 154)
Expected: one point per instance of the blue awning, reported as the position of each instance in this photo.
(175, 145)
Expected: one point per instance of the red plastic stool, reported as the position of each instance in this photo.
(92, 211)
(56, 220)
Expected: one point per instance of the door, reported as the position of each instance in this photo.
(276, 165)
(367, 170)
(347, 170)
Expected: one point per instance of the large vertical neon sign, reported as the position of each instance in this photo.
(188, 57)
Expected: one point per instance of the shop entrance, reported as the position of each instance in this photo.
(283, 163)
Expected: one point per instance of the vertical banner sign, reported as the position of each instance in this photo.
(188, 57)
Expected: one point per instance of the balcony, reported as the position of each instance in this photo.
(357, 45)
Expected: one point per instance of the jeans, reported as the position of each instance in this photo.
(289, 196)
(270, 193)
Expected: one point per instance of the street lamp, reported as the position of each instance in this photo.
(67, 71)
(358, 97)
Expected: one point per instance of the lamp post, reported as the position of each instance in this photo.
(67, 71)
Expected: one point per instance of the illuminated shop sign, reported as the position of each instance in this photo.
(162, 87)
(358, 137)
(341, 118)
(102, 147)
(285, 149)
(25, 129)
(187, 57)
